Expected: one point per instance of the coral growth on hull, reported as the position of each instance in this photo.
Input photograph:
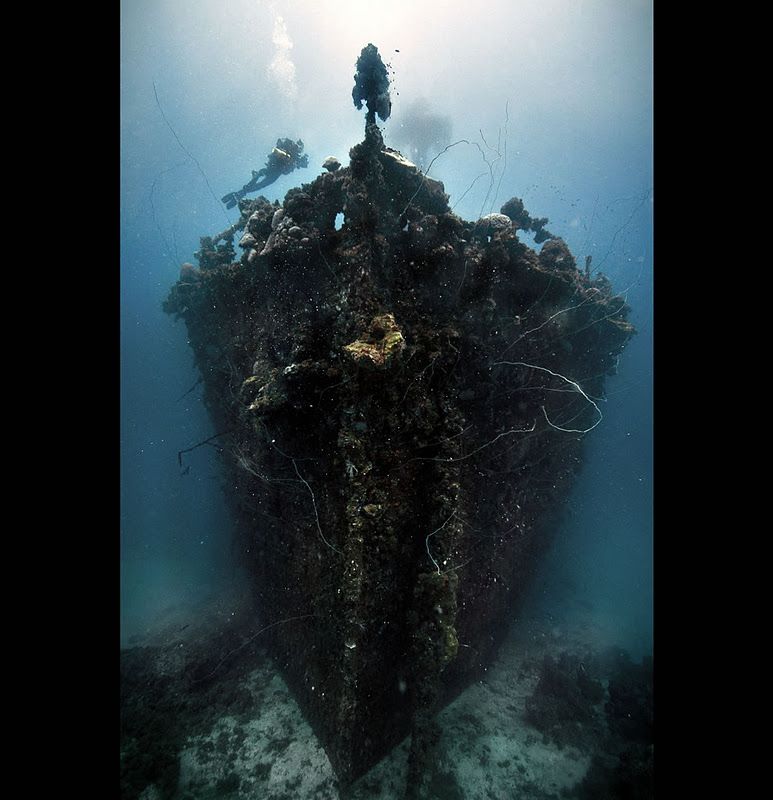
(402, 406)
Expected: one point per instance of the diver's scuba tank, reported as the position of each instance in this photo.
(232, 198)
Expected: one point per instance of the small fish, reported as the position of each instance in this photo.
(397, 51)
(186, 470)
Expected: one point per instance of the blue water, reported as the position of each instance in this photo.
(565, 87)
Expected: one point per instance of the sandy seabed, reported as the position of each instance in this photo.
(489, 747)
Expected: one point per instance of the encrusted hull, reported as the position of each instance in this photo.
(403, 404)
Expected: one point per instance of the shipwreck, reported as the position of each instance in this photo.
(402, 402)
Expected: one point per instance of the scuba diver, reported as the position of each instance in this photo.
(282, 160)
